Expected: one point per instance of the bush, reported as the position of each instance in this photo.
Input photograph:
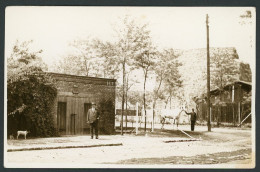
(30, 93)
(107, 116)
(38, 95)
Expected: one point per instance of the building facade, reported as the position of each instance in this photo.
(74, 97)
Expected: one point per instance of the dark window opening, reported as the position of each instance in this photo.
(62, 108)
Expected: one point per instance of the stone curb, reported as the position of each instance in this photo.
(63, 147)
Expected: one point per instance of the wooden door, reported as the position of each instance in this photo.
(61, 115)
(73, 124)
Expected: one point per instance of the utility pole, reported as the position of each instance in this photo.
(208, 74)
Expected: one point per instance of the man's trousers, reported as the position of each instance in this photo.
(94, 126)
(193, 125)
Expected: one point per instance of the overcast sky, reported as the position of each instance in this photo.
(52, 28)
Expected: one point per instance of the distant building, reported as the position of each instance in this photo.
(74, 98)
(194, 69)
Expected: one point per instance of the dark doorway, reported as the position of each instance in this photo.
(72, 124)
(62, 109)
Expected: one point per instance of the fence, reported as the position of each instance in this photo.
(226, 114)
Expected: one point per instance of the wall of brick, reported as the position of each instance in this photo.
(79, 90)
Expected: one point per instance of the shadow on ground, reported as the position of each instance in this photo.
(215, 158)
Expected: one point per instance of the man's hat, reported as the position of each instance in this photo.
(93, 103)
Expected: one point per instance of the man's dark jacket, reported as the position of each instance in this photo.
(92, 116)
(193, 116)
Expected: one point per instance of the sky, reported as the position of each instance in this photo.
(52, 28)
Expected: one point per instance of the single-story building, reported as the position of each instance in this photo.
(231, 105)
(74, 97)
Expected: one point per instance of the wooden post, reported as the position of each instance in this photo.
(239, 103)
(153, 120)
(225, 115)
(126, 115)
(233, 110)
(115, 116)
(233, 104)
(143, 115)
(136, 120)
(239, 117)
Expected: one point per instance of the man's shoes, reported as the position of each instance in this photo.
(92, 137)
(97, 137)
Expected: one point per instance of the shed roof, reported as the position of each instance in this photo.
(244, 84)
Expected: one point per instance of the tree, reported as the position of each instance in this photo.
(30, 93)
(83, 61)
(106, 52)
(119, 55)
(245, 73)
(129, 83)
(145, 60)
(166, 72)
(134, 97)
(23, 61)
(172, 81)
(225, 68)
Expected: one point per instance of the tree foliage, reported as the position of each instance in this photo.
(225, 68)
(120, 55)
(83, 61)
(30, 93)
(172, 78)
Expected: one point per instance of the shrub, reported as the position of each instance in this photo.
(30, 94)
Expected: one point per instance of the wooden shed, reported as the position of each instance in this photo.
(231, 105)
(74, 98)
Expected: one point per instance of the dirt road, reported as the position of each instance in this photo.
(221, 146)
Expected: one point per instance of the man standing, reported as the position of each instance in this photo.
(92, 119)
(193, 117)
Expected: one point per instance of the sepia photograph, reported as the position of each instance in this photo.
(129, 87)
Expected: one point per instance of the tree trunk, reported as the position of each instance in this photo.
(238, 113)
(154, 105)
(170, 100)
(233, 110)
(145, 76)
(155, 99)
(123, 99)
(126, 106)
(166, 102)
(218, 112)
